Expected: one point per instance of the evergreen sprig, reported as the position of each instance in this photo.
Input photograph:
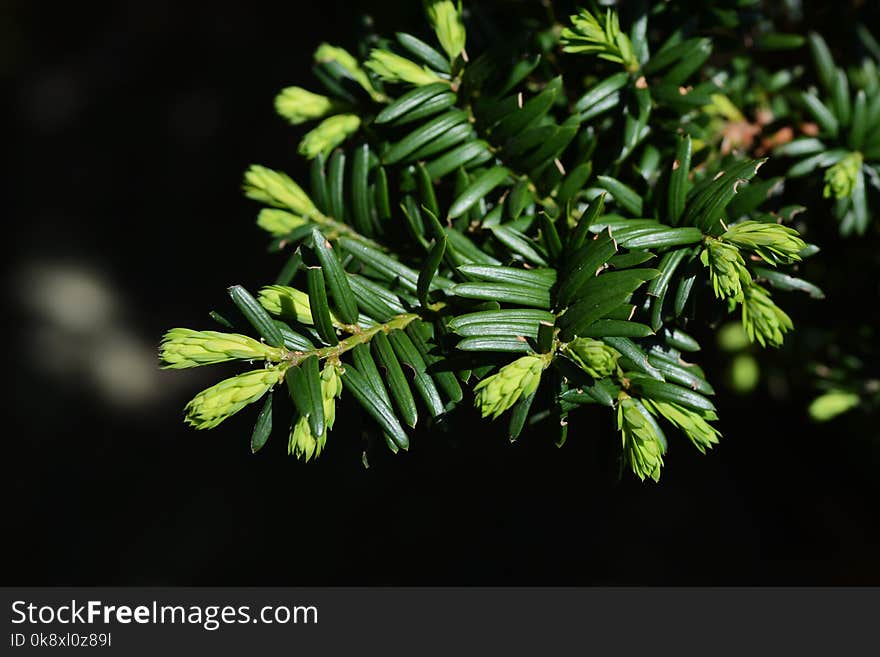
(481, 227)
(845, 109)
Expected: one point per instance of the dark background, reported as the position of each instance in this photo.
(130, 124)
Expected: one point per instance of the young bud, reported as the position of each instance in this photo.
(276, 188)
(593, 356)
(394, 68)
(773, 242)
(299, 105)
(642, 447)
(279, 222)
(496, 393)
(182, 348)
(286, 302)
(328, 134)
(328, 53)
(831, 404)
(694, 424)
(303, 443)
(445, 18)
(600, 35)
(331, 388)
(210, 407)
(727, 269)
(840, 179)
(762, 319)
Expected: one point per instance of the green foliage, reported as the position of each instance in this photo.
(279, 222)
(391, 67)
(694, 424)
(446, 20)
(846, 111)
(727, 269)
(643, 442)
(223, 400)
(328, 135)
(303, 443)
(600, 35)
(497, 393)
(182, 348)
(299, 105)
(492, 227)
(762, 319)
(774, 243)
(277, 189)
(841, 179)
(593, 356)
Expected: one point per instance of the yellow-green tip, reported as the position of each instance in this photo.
(215, 404)
(182, 348)
(496, 393)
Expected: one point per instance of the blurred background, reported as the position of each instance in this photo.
(129, 126)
